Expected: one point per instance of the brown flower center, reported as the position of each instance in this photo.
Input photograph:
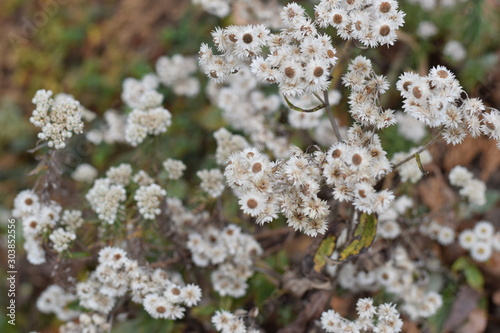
(416, 92)
(384, 30)
(290, 72)
(357, 159)
(385, 7)
(252, 203)
(406, 85)
(442, 74)
(337, 18)
(257, 167)
(247, 38)
(318, 71)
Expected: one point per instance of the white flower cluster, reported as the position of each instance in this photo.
(105, 198)
(263, 11)
(471, 188)
(62, 239)
(176, 71)
(480, 241)
(184, 219)
(212, 181)
(162, 294)
(299, 60)
(232, 251)
(142, 178)
(220, 8)
(140, 123)
(388, 226)
(366, 88)
(247, 109)
(455, 51)
(426, 29)
(436, 101)
(381, 319)
(410, 128)
(147, 116)
(86, 323)
(432, 5)
(84, 173)
(38, 219)
(397, 276)
(72, 219)
(58, 118)
(227, 322)
(227, 143)
(174, 168)
(410, 171)
(55, 300)
(372, 22)
(443, 234)
(354, 167)
(120, 175)
(142, 94)
(148, 200)
(111, 132)
(291, 186)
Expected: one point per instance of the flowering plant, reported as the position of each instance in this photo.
(336, 191)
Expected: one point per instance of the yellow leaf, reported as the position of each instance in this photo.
(325, 249)
(363, 237)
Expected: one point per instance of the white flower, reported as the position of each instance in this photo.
(212, 181)
(59, 118)
(467, 239)
(191, 294)
(481, 251)
(61, 239)
(174, 168)
(484, 230)
(148, 200)
(446, 236)
(105, 198)
(84, 173)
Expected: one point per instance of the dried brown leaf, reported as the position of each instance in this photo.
(465, 302)
(476, 323)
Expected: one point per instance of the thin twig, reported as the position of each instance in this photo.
(412, 156)
(331, 117)
(296, 108)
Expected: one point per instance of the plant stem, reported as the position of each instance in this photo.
(412, 156)
(329, 112)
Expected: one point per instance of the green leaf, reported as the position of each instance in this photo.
(79, 254)
(325, 249)
(363, 237)
(472, 274)
(460, 264)
(474, 277)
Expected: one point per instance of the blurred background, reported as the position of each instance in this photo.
(87, 47)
